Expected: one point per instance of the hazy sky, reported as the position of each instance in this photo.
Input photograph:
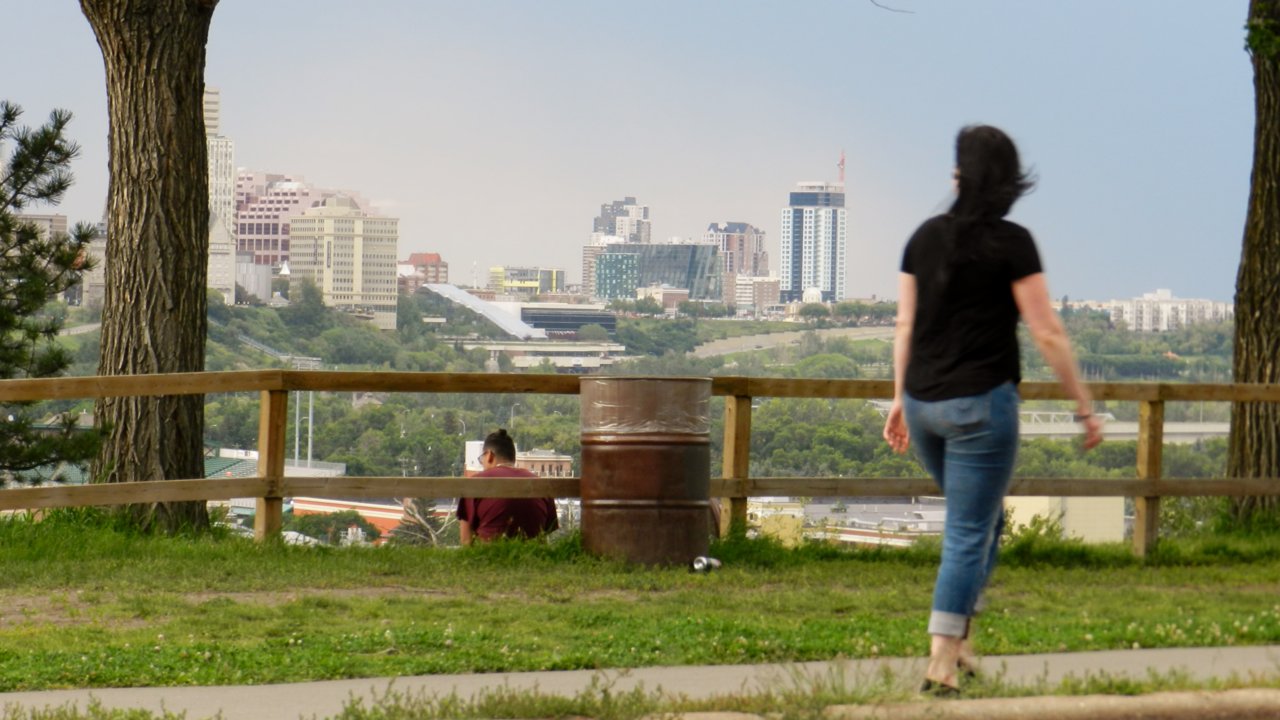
(494, 129)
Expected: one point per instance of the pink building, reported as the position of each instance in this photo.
(266, 203)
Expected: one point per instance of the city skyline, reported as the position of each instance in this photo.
(495, 130)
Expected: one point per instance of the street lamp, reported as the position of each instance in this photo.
(511, 420)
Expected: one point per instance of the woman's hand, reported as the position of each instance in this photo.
(895, 429)
(1092, 430)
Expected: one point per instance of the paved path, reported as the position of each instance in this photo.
(80, 329)
(325, 699)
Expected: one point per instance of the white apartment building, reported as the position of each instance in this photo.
(1160, 311)
(350, 255)
(813, 241)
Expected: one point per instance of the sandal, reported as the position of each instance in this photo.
(938, 689)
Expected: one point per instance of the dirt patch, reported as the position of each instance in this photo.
(55, 608)
(75, 608)
(273, 598)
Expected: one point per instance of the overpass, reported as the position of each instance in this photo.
(1174, 432)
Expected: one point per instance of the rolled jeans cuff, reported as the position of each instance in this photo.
(949, 624)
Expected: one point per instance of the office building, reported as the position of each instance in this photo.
(50, 226)
(619, 222)
(617, 276)
(695, 267)
(753, 295)
(350, 254)
(253, 278)
(668, 298)
(266, 204)
(422, 269)
(813, 239)
(527, 281)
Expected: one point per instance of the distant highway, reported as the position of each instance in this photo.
(747, 343)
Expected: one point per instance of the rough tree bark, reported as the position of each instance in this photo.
(153, 318)
(1254, 449)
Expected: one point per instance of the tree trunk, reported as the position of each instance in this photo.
(154, 314)
(1254, 449)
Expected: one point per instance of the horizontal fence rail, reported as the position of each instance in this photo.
(270, 486)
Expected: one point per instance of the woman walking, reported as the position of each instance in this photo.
(967, 276)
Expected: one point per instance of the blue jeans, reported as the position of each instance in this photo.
(968, 445)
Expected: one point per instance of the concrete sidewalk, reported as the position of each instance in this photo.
(325, 699)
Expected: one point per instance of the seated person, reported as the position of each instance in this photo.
(489, 518)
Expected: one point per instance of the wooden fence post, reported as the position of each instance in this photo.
(1146, 522)
(737, 457)
(273, 417)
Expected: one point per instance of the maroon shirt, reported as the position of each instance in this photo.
(511, 517)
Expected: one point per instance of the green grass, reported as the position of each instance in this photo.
(86, 605)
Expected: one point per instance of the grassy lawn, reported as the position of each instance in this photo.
(87, 606)
(710, 329)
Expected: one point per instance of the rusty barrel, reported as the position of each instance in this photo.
(646, 468)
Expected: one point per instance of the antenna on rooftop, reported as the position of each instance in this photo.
(841, 166)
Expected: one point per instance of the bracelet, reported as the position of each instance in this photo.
(1081, 418)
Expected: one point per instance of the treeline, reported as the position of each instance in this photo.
(419, 434)
(1199, 353)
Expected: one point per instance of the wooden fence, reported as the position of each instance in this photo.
(271, 486)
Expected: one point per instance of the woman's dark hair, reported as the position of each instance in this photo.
(988, 174)
(501, 444)
(990, 180)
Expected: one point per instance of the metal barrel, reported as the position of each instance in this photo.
(646, 468)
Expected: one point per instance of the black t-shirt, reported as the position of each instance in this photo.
(965, 337)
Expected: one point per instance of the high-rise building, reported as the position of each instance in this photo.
(222, 163)
(212, 111)
(621, 221)
(625, 219)
(221, 268)
(742, 248)
(350, 255)
(266, 204)
(813, 242)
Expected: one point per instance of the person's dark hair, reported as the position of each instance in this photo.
(988, 174)
(990, 180)
(501, 444)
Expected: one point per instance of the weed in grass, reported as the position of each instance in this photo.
(601, 700)
(95, 711)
